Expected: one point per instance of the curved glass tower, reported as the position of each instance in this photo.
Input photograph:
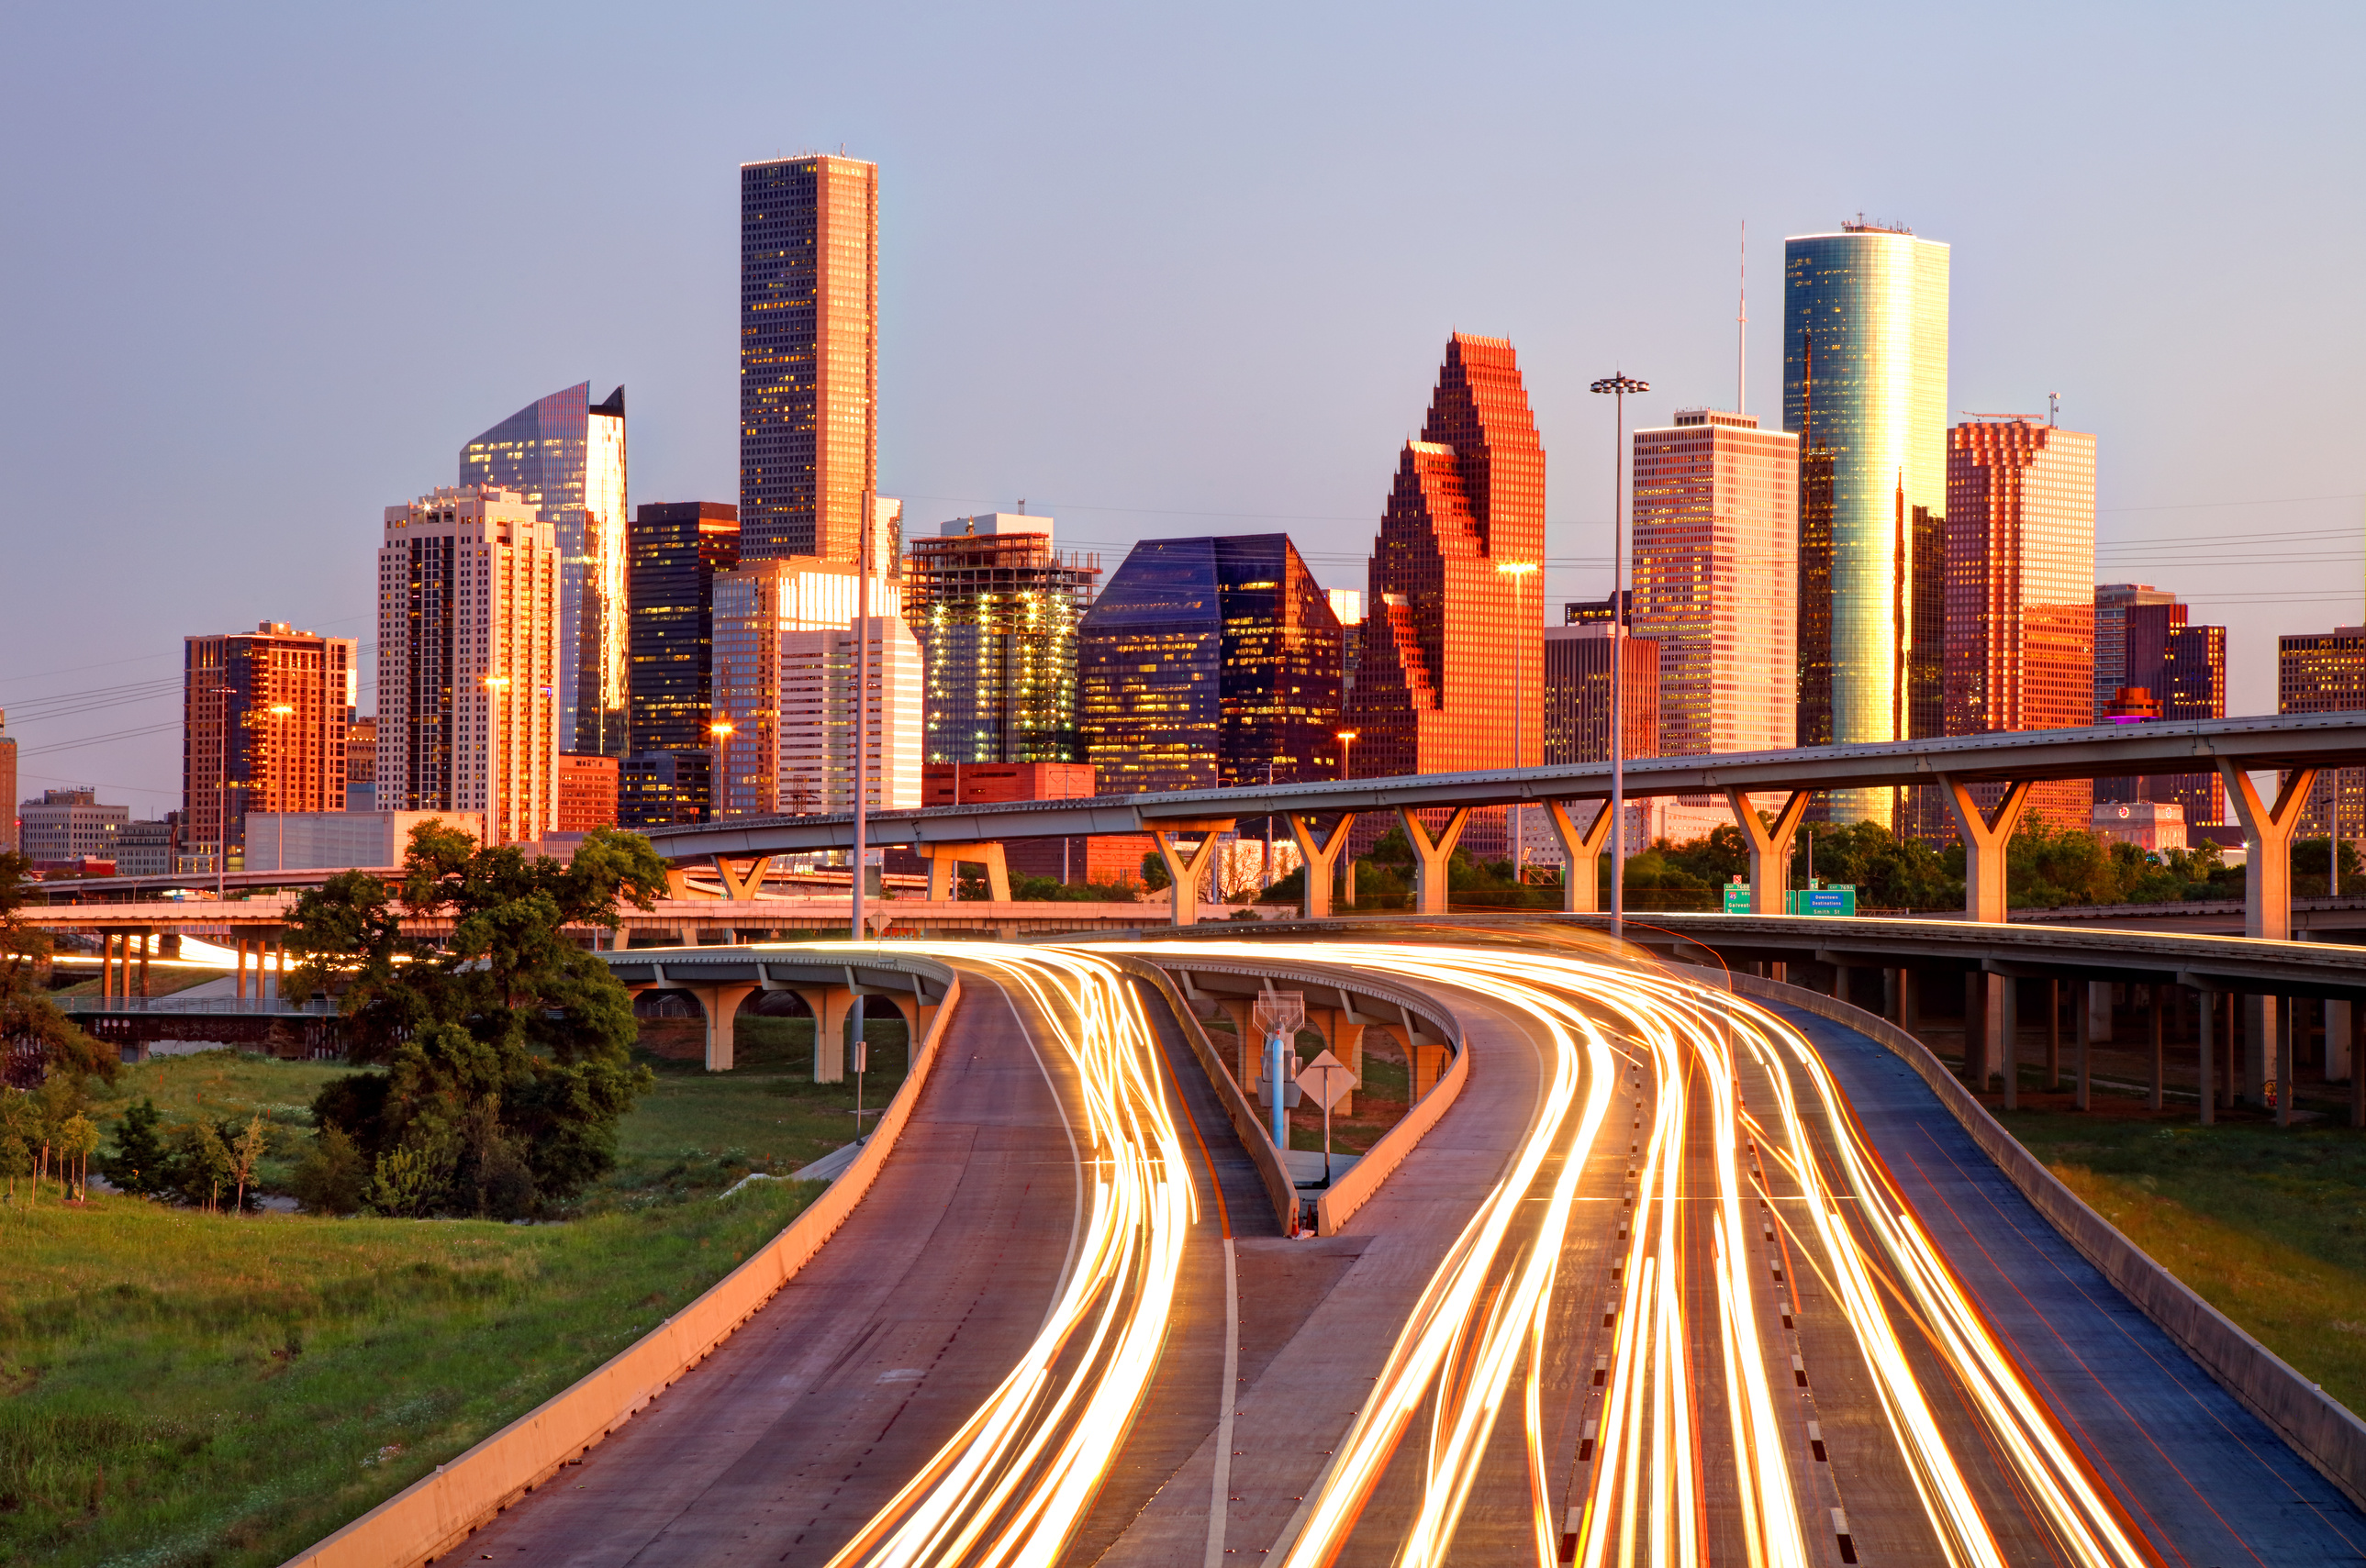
(1865, 386)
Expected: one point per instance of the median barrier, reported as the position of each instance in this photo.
(437, 1513)
(2317, 1426)
(1278, 1187)
(1353, 1190)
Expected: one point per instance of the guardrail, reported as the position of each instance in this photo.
(318, 1007)
(2317, 1426)
(1353, 1190)
(438, 1512)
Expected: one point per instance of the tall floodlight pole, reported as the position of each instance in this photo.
(861, 790)
(1518, 572)
(1618, 386)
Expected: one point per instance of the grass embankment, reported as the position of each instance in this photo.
(190, 1389)
(2267, 1224)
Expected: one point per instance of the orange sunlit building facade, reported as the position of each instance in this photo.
(265, 717)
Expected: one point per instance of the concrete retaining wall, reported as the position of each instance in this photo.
(2318, 1429)
(438, 1512)
(1353, 1190)
(1253, 1133)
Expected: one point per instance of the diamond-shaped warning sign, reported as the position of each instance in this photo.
(1326, 1081)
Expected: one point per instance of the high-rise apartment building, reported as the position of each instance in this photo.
(757, 606)
(2182, 668)
(1448, 634)
(2020, 589)
(814, 770)
(8, 787)
(996, 610)
(1577, 693)
(808, 355)
(2324, 672)
(2113, 603)
(1715, 506)
(361, 764)
(1207, 663)
(1865, 386)
(468, 661)
(677, 549)
(264, 724)
(566, 455)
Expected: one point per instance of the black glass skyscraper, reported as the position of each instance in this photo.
(675, 549)
(1203, 662)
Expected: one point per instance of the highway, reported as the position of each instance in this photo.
(1678, 1279)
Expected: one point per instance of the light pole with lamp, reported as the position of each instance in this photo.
(1346, 739)
(1518, 572)
(1618, 386)
(221, 796)
(719, 734)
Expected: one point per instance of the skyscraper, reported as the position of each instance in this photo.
(2182, 668)
(468, 661)
(677, 548)
(2324, 672)
(995, 611)
(1449, 636)
(815, 766)
(1206, 661)
(1865, 386)
(1577, 693)
(264, 728)
(808, 355)
(1715, 506)
(2113, 603)
(565, 457)
(7, 787)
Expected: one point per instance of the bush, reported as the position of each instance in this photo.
(329, 1180)
(139, 1161)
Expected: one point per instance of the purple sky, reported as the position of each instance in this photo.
(1161, 272)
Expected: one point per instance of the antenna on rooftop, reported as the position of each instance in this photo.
(2052, 407)
(1741, 331)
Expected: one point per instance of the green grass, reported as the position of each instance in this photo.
(2267, 1224)
(178, 1388)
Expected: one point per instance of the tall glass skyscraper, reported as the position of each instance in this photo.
(565, 457)
(809, 355)
(677, 547)
(1865, 386)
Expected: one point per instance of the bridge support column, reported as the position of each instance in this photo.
(742, 875)
(2053, 1036)
(2259, 1033)
(721, 1006)
(945, 861)
(1186, 866)
(1909, 1008)
(1431, 858)
(2206, 1055)
(2283, 1061)
(1984, 841)
(829, 1005)
(1242, 1011)
(2267, 846)
(2086, 1037)
(1320, 853)
(2159, 1040)
(1770, 846)
(2008, 991)
(1581, 848)
(2099, 1009)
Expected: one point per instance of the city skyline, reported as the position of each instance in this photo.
(1022, 349)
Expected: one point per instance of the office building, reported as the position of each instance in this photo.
(1106, 857)
(148, 848)
(2113, 603)
(263, 728)
(66, 826)
(1714, 509)
(757, 606)
(1864, 387)
(2019, 636)
(328, 841)
(1347, 604)
(809, 355)
(1208, 663)
(361, 764)
(815, 766)
(7, 787)
(2324, 672)
(1577, 694)
(565, 457)
(995, 611)
(2181, 670)
(468, 661)
(675, 550)
(1448, 632)
(585, 793)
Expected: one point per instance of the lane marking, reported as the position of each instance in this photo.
(1076, 1158)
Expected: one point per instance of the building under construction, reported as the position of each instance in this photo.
(995, 609)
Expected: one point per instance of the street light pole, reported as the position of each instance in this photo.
(1518, 571)
(1618, 386)
(861, 790)
(1346, 739)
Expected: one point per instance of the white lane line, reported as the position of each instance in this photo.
(1219, 1498)
(1075, 1159)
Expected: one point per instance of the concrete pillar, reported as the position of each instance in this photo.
(1186, 867)
(1581, 879)
(945, 861)
(2053, 1036)
(1975, 1032)
(1909, 1003)
(2207, 1056)
(2098, 1010)
(1242, 1010)
(2007, 990)
(1889, 994)
(2338, 1059)
(2085, 1034)
(1984, 841)
(2258, 1044)
(2284, 1063)
(829, 1005)
(721, 1004)
(742, 875)
(2155, 1099)
(1431, 858)
(1770, 846)
(2267, 846)
(1320, 853)
(147, 940)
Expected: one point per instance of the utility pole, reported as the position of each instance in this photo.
(861, 782)
(1618, 386)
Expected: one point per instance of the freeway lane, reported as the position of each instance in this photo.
(801, 1424)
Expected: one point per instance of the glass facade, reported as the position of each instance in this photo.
(2020, 589)
(1577, 693)
(2183, 670)
(755, 608)
(1204, 662)
(809, 355)
(265, 718)
(1865, 386)
(996, 610)
(2326, 673)
(676, 549)
(565, 457)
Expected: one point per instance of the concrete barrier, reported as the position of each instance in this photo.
(1253, 1137)
(2318, 1428)
(439, 1512)
(1353, 1190)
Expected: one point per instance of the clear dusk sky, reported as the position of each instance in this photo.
(1156, 270)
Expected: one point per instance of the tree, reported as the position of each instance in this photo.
(504, 1051)
(20, 1130)
(16, 1161)
(76, 1138)
(35, 1039)
(331, 1177)
(243, 1154)
(138, 1165)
